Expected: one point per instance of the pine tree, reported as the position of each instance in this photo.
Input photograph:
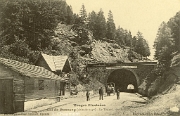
(92, 17)
(120, 36)
(164, 45)
(69, 17)
(134, 40)
(146, 48)
(100, 25)
(174, 24)
(141, 46)
(128, 39)
(97, 24)
(83, 14)
(111, 29)
(139, 43)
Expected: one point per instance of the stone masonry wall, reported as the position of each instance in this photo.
(101, 74)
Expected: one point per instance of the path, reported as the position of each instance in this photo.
(110, 106)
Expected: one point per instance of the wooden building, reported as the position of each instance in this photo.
(59, 65)
(24, 86)
(56, 64)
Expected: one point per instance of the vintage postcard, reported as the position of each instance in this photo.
(89, 57)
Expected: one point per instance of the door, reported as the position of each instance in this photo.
(62, 88)
(6, 96)
(57, 88)
(2, 100)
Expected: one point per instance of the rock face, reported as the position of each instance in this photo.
(109, 52)
(98, 50)
(175, 62)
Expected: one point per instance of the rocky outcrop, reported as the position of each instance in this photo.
(175, 62)
(97, 50)
(109, 52)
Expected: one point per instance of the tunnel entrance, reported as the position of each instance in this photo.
(122, 78)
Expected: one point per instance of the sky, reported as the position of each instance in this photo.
(134, 15)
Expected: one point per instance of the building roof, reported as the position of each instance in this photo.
(55, 62)
(29, 70)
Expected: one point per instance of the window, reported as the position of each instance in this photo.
(41, 84)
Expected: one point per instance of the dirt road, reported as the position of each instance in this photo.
(110, 106)
(129, 104)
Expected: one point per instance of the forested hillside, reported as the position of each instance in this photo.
(167, 52)
(28, 27)
(167, 42)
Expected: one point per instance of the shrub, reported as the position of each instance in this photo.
(19, 48)
(74, 79)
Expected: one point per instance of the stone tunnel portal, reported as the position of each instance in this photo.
(122, 78)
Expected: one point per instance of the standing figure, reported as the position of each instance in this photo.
(101, 93)
(108, 90)
(88, 95)
(113, 91)
(117, 93)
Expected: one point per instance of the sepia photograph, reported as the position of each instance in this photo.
(89, 57)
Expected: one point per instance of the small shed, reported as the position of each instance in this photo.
(59, 65)
(56, 64)
(24, 86)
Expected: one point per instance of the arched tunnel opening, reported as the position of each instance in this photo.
(122, 78)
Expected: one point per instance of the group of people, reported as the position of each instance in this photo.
(101, 94)
(110, 89)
